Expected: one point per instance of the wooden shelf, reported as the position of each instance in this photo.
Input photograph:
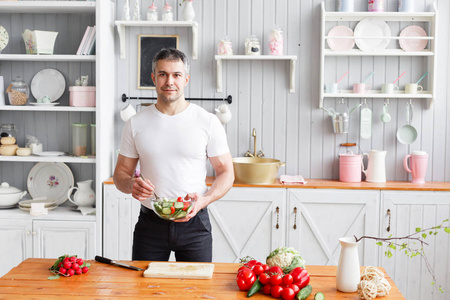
(46, 108)
(47, 7)
(121, 30)
(55, 57)
(62, 158)
(291, 58)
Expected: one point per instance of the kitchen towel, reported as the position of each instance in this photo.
(292, 179)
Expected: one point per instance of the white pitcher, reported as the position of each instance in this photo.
(376, 167)
(347, 274)
(85, 195)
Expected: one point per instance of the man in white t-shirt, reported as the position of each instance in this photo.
(172, 141)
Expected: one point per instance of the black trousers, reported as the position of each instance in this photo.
(155, 238)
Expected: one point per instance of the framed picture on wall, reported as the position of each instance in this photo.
(148, 46)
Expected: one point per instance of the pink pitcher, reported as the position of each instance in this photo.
(350, 167)
(418, 164)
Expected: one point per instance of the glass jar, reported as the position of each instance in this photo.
(167, 13)
(8, 130)
(18, 92)
(93, 128)
(225, 47)
(252, 46)
(79, 139)
(276, 41)
(152, 14)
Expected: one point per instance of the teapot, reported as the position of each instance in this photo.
(85, 195)
(223, 113)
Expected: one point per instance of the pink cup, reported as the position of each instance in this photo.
(418, 163)
(360, 88)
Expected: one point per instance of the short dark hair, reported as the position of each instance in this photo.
(171, 54)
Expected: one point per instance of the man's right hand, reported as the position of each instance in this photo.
(141, 189)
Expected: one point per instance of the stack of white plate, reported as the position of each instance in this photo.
(26, 204)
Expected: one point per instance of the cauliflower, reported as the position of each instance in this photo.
(285, 257)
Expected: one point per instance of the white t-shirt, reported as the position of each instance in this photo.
(173, 150)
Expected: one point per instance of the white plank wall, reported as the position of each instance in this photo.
(291, 127)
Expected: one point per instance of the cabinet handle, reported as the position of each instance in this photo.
(389, 222)
(295, 218)
(28, 232)
(278, 217)
(33, 232)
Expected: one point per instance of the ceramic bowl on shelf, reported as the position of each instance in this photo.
(10, 195)
(172, 209)
(39, 41)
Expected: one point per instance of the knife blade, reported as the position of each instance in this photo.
(115, 263)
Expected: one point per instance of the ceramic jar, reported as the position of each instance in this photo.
(348, 269)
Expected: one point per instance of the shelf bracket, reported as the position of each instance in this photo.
(194, 41)
(121, 32)
(219, 76)
(292, 77)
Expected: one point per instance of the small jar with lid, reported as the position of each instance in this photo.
(7, 130)
(225, 47)
(79, 139)
(18, 92)
(152, 14)
(167, 14)
(276, 42)
(252, 46)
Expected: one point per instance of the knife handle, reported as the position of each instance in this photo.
(103, 259)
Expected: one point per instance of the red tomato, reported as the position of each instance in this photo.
(172, 209)
(264, 278)
(266, 289)
(275, 269)
(276, 291)
(287, 294)
(258, 269)
(276, 279)
(294, 287)
(266, 267)
(251, 263)
(288, 279)
(186, 205)
(179, 199)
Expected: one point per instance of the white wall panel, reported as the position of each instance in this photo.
(291, 127)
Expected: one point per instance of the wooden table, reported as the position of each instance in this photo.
(29, 281)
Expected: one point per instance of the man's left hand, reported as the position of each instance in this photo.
(200, 202)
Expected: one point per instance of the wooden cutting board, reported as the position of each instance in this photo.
(179, 270)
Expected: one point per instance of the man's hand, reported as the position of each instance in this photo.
(200, 202)
(141, 189)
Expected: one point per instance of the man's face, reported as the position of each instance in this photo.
(170, 80)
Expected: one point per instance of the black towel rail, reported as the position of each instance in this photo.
(228, 99)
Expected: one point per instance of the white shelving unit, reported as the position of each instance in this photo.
(291, 58)
(429, 53)
(103, 66)
(121, 29)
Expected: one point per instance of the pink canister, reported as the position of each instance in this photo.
(376, 5)
(350, 167)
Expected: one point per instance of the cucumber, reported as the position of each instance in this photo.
(158, 207)
(319, 296)
(179, 205)
(304, 292)
(189, 209)
(167, 204)
(166, 211)
(182, 214)
(255, 288)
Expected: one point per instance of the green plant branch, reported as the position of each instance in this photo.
(418, 236)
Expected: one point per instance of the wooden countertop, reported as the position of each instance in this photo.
(29, 281)
(336, 184)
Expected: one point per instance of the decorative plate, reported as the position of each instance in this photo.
(413, 45)
(51, 180)
(49, 153)
(48, 82)
(52, 207)
(340, 44)
(44, 104)
(372, 27)
(4, 38)
(27, 203)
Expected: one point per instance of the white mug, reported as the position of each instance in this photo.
(333, 88)
(389, 88)
(413, 88)
(406, 5)
(346, 5)
(360, 88)
(127, 112)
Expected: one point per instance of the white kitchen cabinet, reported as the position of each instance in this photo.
(427, 56)
(318, 218)
(403, 212)
(48, 236)
(248, 221)
(52, 125)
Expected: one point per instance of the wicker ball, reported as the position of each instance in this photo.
(383, 286)
(367, 290)
(371, 273)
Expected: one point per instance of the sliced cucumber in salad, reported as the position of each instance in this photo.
(171, 209)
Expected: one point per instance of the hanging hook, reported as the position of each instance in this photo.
(365, 102)
(342, 101)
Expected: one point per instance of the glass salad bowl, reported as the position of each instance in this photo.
(172, 209)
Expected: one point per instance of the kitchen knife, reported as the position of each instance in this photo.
(115, 263)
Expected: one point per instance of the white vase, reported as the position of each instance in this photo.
(348, 270)
(188, 13)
